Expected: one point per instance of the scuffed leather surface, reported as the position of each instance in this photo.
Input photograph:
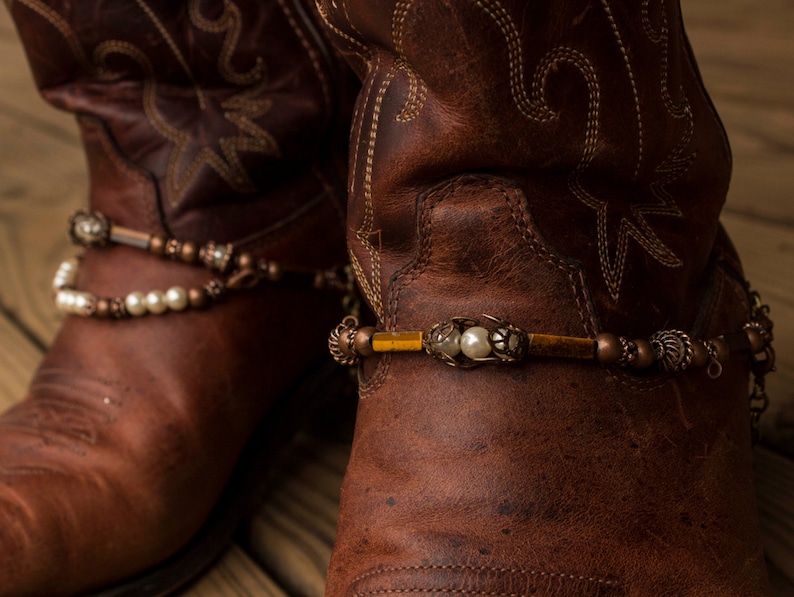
(130, 430)
(489, 137)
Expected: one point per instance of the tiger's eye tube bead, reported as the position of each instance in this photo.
(362, 341)
(608, 348)
(645, 355)
(700, 354)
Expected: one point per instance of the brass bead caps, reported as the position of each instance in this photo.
(465, 342)
(236, 271)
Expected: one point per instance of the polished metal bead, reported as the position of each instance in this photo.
(755, 338)
(155, 302)
(645, 355)
(274, 271)
(246, 261)
(135, 302)
(176, 298)
(189, 252)
(157, 246)
(361, 341)
(197, 297)
(608, 348)
(103, 308)
(722, 349)
(700, 354)
(474, 343)
(89, 229)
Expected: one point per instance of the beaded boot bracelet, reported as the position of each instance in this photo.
(465, 342)
(237, 271)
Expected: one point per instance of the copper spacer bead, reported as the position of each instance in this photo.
(246, 261)
(274, 271)
(362, 341)
(723, 351)
(197, 297)
(157, 246)
(346, 342)
(103, 308)
(700, 354)
(608, 348)
(756, 339)
(645, 355)
(189, 252)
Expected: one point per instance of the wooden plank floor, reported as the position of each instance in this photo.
(746, 53)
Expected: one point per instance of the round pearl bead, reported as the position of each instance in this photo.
(136, 304)
(176, 298)
(155, 302)
(450, 345)
(474, 343)
(80, 303)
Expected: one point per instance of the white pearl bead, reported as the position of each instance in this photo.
(450, 346)
(176, 298)
(69, 265)
(474, 343)
(155, 302)
(60, 300)
(136, 304)
(80, 303)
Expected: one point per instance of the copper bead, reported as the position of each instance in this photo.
(189, 252)
(608, 348)
(700, 354)
(645, 355)
(157, 246)
(197, 297)
(723, 351)
(246, 261)
(755, 338)
(103, 308)
(362, 341)
(274, 271)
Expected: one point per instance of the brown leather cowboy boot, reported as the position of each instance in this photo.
(215, 135)
(559, 167)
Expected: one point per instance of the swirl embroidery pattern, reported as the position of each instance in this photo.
(189, 155)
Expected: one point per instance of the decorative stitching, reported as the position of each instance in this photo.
(417, 89)
(464, 567)
(625, 54)
(522, 220)
(362, 52)
(175, 49)
(313, 56)
(230, 23)
(372, 286)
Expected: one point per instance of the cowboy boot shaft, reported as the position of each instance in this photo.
(596, 110)
(215, 121)
(559, 166)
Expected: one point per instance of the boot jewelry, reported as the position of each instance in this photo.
(466, 342)
(236, 272)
